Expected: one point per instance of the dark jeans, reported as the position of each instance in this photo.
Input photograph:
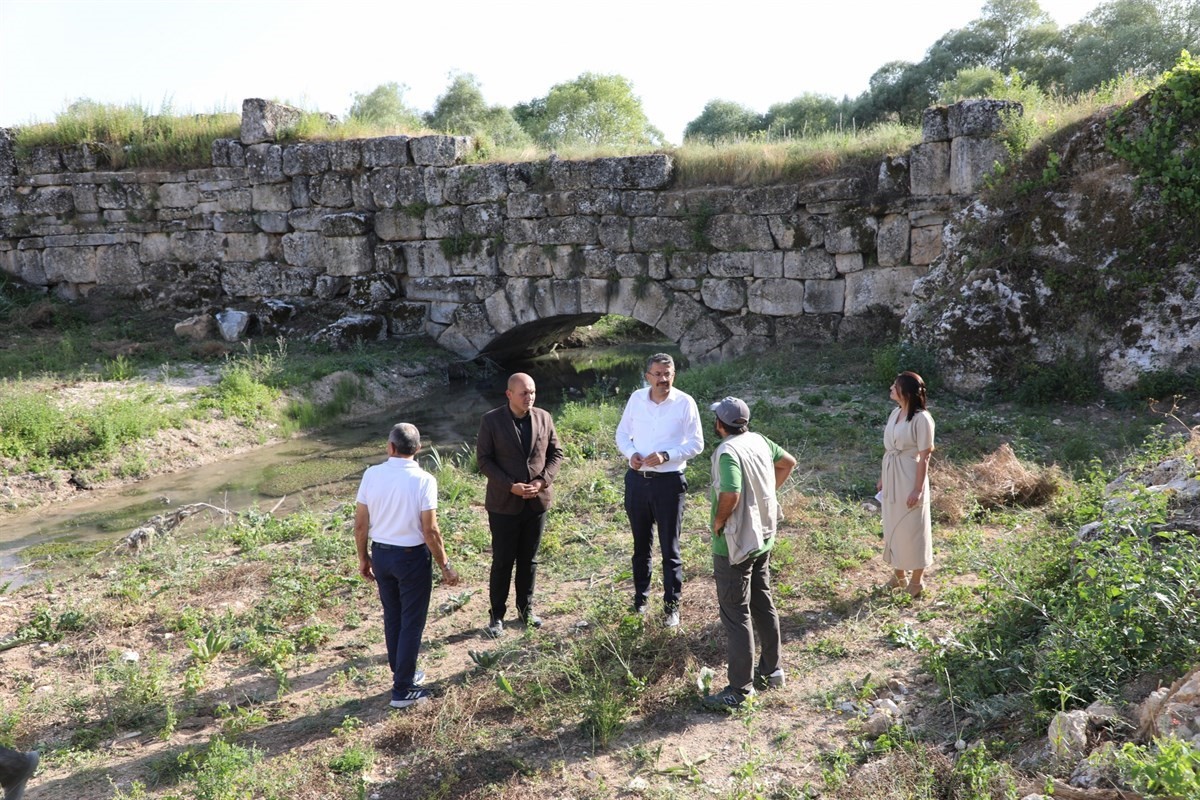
(404, 576)
(515, 541)
(656, 501)
(744, 594)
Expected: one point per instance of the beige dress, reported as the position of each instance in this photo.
(907, 541)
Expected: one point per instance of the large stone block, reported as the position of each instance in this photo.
(569, 174)
(72, 264)
(658, 233)
(178, 195)
(251, 247)
(443, 222)
(118, 265)
(687, 265)
(499, 311)
(271, 197)
(263, 120)
(724, 294)
(630, 265)
(567, 230)
(824, 297)
(483, 219)
(348, 255)
(395, 225)
(886, 287)
(680, 315)
(926, 244)
(731, 265)
(935, 124)
(808, 328)
(264, 163)
(739, 232)
(893, 176)
(980, 117)
(971, 160)
(385, 151)
(475, 183)
(345, 155)
(390, 258)
(631, 172)
(195, 247)
(51, 201)
(593, 295)
(439, 151)
(471, 322)
(520, 231)
(526, 261)
(766, 200)
(614, 234)
(330, 190)
(260, 279)
(848, 262)
(426, 260)
(831, 189)
(776, 297)
(929, 169)
(641, 204)
(566, 296)
(305, 158)
(850, 233)
(812, 262)
(8, 153)
(351, 223)
(526, 205)
(703, 340)
(652, 302)
(583, 201)
(891, 242)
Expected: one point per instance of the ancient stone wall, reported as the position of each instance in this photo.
(395, 236)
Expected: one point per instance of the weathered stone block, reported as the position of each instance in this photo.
(407, 319)
(731, 265)
(566, 296)
(41, 160)
(704, 339)
(178, 195)
(194, 247)
(520, 231)
(891, 242)
(724, 294)
(657, 233)
(443, 312)
(888, 287)
(687, 265)
(569, 174)
(299, 192)
(641, 204)
(831, 189)
(766, 200)
(926, 245)
(305, 158)
(271, 197)
(351, 329)
(345, 155)
(51, 201)
(499, 311)
(776, 297)
(386, 151)
(971, 160)
(824, 297)
(929, 169)
(250, 280)
(80, 158)
(935, 124)
(526, 205)
(479, 260)
(848, 262)
(84, 198)
(850, 234)
(251, 247)
(118, 265)
(393, 225)
(360, 191)
(264, 163)
(347, 255)
(526, 261)
(390, 258)
(567, 230)
(980, 117)
(426, 260)
(738, 232)
(893, 176)
(371, 291)
(263, 120)
(439, 151)
(197, 328)
(330, 190)
(233, 223)
(483, 219)
(680, 315)
(272, 222)
(808, 328)
(475, 183)
(73, 264)
(442, 222)
(471, 322)
(614, 234)
(8, 153)
(583, 201)
(351, 223)
(810, 263)
(306, 219)
(434, 185)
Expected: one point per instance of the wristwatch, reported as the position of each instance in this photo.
(446, 566)
(665, 456)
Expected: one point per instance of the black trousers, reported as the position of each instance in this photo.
(515, 541)
(656, 501)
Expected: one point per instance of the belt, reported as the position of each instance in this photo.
(386, 546)
(645, 473)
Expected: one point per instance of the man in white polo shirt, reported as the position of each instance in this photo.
(397, 508)
(659, 431)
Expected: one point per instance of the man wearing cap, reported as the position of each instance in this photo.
(659, 431)
(747, 469)
(517, 449)
(397, 508)
(16, 769)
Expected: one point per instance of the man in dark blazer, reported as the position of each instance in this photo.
(517, 449)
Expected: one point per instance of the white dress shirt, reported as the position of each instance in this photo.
(673, 425)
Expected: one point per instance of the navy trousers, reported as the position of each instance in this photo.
(655, 500)
(404, 576)
(515, 542)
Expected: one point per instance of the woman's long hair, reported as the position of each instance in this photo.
(912, 389)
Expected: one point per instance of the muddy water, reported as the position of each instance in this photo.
(448, 418)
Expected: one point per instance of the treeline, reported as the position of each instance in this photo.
(1012, 50)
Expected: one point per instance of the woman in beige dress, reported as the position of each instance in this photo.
(904, 484)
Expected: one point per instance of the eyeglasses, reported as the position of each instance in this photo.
(660, 374)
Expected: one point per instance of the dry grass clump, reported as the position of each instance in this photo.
(1000, 479)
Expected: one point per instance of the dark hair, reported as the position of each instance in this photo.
(660, 358)
(733, 430)
(912, 389)
(405, 438)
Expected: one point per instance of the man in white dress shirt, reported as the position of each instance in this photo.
(659, 431)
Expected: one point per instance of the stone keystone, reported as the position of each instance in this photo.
(262, 120)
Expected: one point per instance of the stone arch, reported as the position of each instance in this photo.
(541, 309)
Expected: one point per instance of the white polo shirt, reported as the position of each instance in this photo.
(395, 493)
(673, 425)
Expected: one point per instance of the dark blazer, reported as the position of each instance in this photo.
(500, 457)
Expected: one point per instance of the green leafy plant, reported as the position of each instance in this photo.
(1168, 767)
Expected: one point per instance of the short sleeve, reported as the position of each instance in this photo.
(429, 493)
(922, 429)
(730, 474)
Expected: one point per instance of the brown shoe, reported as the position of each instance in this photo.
(896, 583)
(916, 590)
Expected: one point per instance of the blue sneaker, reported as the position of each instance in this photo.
(412, 697)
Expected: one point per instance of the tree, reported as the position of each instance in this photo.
(1140, 37)
(804, 115)
(592, 109)
(462, 109)
(384, 106)
(722, 120)
(971, 82)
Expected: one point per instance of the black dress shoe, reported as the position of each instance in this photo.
(531, 620)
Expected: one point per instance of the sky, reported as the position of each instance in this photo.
(208, 55)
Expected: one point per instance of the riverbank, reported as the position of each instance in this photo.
(242, 656)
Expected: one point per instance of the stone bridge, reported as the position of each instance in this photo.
(396, 236)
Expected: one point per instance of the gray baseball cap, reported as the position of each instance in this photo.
(731, 411)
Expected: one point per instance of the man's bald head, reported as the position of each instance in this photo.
(521, 393)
